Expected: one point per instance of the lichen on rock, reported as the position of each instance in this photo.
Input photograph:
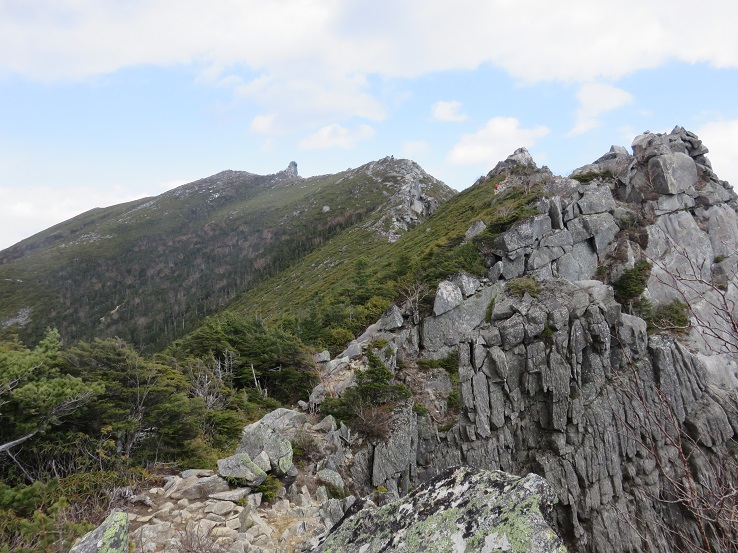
(460, 510)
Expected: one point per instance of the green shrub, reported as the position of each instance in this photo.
(269, 488)
(379, 343)
(519, 286)
(447, 426)
(335, 340)
(584, 178)
(632, 282)
(674, 317)
(454, 398)
(367, 407)
(48, 516)
(420, 409)
(304, 448)
(335, 492)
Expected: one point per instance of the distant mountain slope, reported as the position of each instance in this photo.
(432, 250)
(150, 270)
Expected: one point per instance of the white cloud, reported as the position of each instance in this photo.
(448, 111)
(336, 136)
(596, 99)
(494, 142)
(262, 124)
(320, 53)
(721, 137)
(22, 215)
(414, 148)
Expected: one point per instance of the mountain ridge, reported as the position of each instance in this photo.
(211, 238)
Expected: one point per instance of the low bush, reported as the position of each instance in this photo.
(367, 407)
(632, 283)
(269, 488)
(519, 286)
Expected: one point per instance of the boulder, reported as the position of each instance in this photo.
(476, 228)
(391, 318)
(448, 296)
(234, 495)
(650, 145)
(672, 173)
(466, 283)
(200, 488)
(285, 421)
(462, 509)
(353, 350)
(524, 234)
(579, 264)
(241, 466)
(271, 435)
(322, 357)
(444, 330)
(110, 537)
(596, 199)
(331, 478)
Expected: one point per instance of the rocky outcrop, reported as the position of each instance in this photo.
(416, 195)
(270, 438)
(558, 378)
(459, 510)
(198, 510)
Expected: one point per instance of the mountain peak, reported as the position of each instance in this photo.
(291, 170)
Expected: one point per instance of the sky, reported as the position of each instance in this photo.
(105, 101)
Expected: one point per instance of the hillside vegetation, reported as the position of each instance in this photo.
(346, 283)
(149, 271)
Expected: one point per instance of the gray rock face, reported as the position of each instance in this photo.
(460, 510)
(448, 296)
(545, 384)
(392, 463)
(291, 170)
(566, 383)
(271, 435)
(242, 467)
(672, 173)
(416, 195)
(391, 319)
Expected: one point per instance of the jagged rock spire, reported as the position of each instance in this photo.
(291, 169)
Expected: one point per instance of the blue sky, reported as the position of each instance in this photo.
(106, 101)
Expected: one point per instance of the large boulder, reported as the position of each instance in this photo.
(391, 319)
(448, 296)
(110, 537)
(272, 435)
(241, 466)
(672, 173)
(462, 509)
